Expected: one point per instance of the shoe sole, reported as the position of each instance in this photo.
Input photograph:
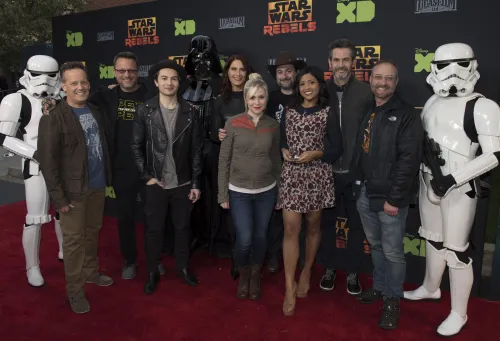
(436, 300)
(449, 336)
(100, 285)
(354, 293)
(81, 312)
(325, 288)
(388, 328)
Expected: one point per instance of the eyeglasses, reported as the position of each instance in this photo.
(122, 71)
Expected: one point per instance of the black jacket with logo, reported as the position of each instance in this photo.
(357, 100)
(149, 143)
(395, 153)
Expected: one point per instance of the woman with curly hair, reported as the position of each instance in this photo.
(310, 143)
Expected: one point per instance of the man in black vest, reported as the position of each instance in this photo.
(350, 99)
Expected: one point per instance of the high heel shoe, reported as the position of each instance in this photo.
(303, 289)
(289, 307)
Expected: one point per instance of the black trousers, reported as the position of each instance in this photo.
(162, 204)
(342, 245)
(275, 235)
(126, 187)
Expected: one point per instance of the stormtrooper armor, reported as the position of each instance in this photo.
(21, 112)
(457, 122)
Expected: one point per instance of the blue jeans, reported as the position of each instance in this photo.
(385, 235)
(251, 215)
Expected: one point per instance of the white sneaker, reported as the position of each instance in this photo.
(421, 293)
(35, 278)
(452, 325)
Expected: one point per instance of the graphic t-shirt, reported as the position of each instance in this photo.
(277, 103)
(95, 155)
(365, 156)
(127, 105)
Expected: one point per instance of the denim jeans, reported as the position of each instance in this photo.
(251, 215)
(385, 235)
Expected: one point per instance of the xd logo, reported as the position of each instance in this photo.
(355, 11)
(423, 59)
(184, 27)
(74, 39)
(106, 72)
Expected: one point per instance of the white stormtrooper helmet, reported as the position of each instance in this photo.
(41, 77)
(453, 70)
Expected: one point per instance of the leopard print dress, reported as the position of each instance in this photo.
(310, 186)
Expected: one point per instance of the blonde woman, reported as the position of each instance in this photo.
(249, 172)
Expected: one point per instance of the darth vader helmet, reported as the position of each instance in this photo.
(203, 62)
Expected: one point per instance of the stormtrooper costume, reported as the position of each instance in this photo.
(21, 111)
(457, 122)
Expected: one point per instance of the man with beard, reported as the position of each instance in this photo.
(386, 160)
(119, 104)
(350, 99)
(284, 70)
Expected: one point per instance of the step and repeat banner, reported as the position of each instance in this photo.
(406, 32)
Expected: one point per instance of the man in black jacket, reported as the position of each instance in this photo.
(168, 151)
(350, 100)
(120, 104)
(387, 157)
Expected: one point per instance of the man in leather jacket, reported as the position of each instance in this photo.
(167, 146)
(385, 166)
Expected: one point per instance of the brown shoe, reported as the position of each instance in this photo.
(79, 303)
(100, 280)
(243, 284)
(255, 282)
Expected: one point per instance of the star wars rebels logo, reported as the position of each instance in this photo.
(365, 60)
(423, 60)
(289, 17)
(142, 32)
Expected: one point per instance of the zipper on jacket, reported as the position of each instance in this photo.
(152, 149)
(182, 132)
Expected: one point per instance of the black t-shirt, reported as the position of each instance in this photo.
(127, 105)
(277, 103)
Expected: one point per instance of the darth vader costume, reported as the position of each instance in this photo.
(203, 85)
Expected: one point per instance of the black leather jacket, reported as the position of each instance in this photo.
(395, 154)
(149, 142)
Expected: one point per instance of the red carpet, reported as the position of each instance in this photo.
(209, 312)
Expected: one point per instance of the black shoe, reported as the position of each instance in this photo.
(273, 264)
(152, 283)
(390, 315)
(188, 277)
(353, 285)
(370, 295)
(328, 280)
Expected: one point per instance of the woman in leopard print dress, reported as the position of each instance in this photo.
(311, 142)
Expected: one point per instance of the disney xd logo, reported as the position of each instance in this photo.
(423, 59)
(355, 11)
(106, 71)
(184, 27)
(74, 39)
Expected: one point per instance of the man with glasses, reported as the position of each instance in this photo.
(119, 104)
(74, 161)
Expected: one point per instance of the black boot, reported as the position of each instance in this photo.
(152, 282)
(254, 282)
(188, 277)
(390, 316)
(243, 284)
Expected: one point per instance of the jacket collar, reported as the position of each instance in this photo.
(352, 79)
(393, 103)
(154, 103)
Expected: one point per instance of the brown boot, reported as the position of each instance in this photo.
(243, 283)
(255, 282)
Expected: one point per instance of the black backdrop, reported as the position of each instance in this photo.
(403, 31)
